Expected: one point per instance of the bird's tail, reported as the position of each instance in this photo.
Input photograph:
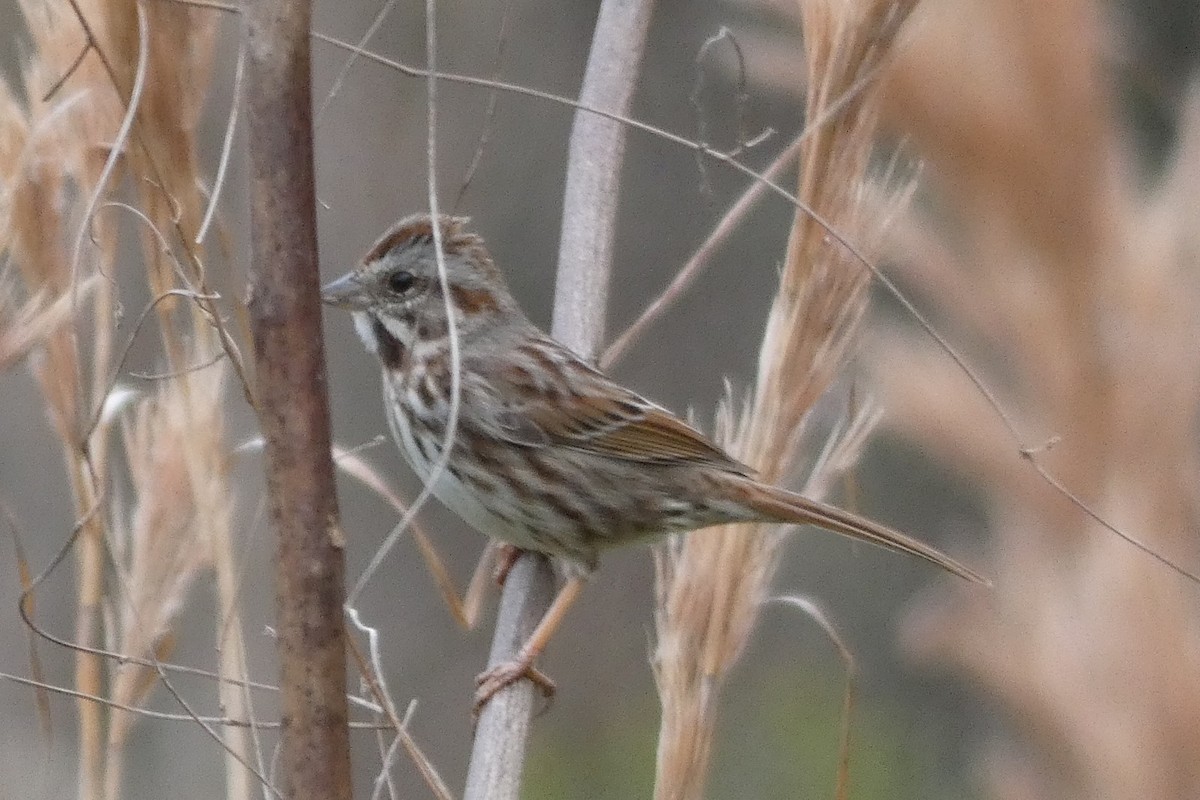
(779, 505)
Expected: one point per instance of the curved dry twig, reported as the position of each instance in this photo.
(239, 73)
(813, 611)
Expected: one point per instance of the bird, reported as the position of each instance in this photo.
(546, 452)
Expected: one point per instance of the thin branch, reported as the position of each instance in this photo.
(597, 149)
(226, 145)
(168, 716)
(489, 114)
(849, 692)
(338, 81)
(58, 84)
(728, 224)
(700, 259)
(373, 680)
(498, 755)
(584, 263)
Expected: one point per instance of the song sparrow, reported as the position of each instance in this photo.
(549, 454)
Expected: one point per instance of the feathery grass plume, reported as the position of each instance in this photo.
(178, 464)
(710, 587)
(49, 150)
(24, 327)
(114, 94)
(1069, 273)
(1072, 277)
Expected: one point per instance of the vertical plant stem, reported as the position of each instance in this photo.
(500, 736)
(231, 653)
(293, 410)
(597, 149)
(88, 665)
(584, 263)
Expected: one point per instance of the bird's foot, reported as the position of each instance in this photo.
(506, 674)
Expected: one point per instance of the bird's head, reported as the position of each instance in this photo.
(396, 291)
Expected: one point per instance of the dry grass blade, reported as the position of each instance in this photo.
(710, 587)
(464, 608)
(813, 611)
(35, 660)
(400, 726)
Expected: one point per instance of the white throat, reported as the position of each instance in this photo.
(364, 324)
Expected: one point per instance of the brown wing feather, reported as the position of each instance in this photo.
(651, 434)
(601, 417)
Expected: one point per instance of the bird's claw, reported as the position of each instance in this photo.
(506, 674)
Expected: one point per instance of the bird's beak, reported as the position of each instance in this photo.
(345, 292)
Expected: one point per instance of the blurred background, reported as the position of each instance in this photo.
(1052, 238)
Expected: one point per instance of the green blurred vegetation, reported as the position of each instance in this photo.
(778, 739)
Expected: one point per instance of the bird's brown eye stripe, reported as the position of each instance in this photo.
(473, 301)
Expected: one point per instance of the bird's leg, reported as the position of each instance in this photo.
(509, 672)
(506, 559)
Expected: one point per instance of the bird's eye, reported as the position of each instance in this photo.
(401, 281)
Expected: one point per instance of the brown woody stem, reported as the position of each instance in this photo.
(285, 315)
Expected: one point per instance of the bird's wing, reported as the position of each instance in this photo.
(563, 402)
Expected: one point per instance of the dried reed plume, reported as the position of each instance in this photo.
(1075, 281)
(710, 587)
(25, 327)
(182, 510)
(1058, 264)
(1069, 274)
(114, 92)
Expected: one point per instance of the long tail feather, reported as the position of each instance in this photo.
(780, 505)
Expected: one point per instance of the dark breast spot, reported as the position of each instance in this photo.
(419, 441)
(541, 467)
(391, 349)
(425, 393)
(481, 449)
(432, 328)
